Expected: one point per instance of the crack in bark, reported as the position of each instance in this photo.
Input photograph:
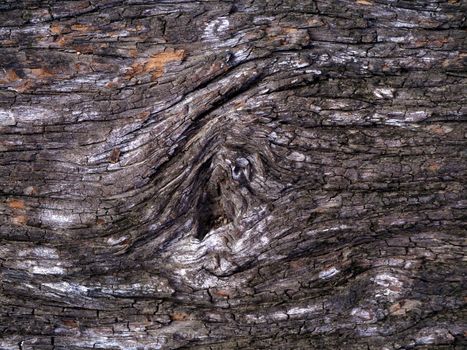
(209, 175)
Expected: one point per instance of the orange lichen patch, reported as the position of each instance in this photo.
(41, 73)
(290, 30)
(19, 220)
(133, 53)
(179, 316)
(139, 27)
(12, 76)
(115, 155)
(364, 2)
(221, 293)
(24, 86)
(16, 203)
(143, 115)
(9, 76)
(402, 307)
(155, 64)
(439, 129)
(81, 27)
(71, 323)
(56, 28)
(62, 40)
(158, 62)
(86, 49)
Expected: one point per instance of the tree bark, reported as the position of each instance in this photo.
(246, 174)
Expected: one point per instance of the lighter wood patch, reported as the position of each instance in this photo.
(364, 2)
(56, 28)
(439, 129)
(155, 64)
(115, 155)
(16, 203)
(41, 72)
(221, 293)
(9, 76)
(179, 316)
(20, 220)
(434, 167)
(402, 307)
(81, 27)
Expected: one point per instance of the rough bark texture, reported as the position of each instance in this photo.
(232, 175)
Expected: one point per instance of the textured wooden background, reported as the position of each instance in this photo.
(243, 174)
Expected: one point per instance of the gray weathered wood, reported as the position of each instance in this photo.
(232, 174)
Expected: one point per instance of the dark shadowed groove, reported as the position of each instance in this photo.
(210, 175)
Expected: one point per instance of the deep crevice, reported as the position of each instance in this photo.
(209, 207)
(210, 211)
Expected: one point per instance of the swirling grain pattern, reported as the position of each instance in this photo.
(252, 174)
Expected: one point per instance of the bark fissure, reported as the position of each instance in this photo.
(232, 175)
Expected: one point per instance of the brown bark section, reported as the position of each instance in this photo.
(232, 175)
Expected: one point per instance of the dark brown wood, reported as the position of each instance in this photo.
(243, 174)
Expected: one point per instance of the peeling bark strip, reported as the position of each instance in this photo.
(243, 174)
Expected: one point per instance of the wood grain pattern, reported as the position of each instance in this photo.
(246, 174)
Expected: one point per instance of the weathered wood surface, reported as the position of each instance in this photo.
(232, 174)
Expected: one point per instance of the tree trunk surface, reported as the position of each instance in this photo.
(248, 174)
